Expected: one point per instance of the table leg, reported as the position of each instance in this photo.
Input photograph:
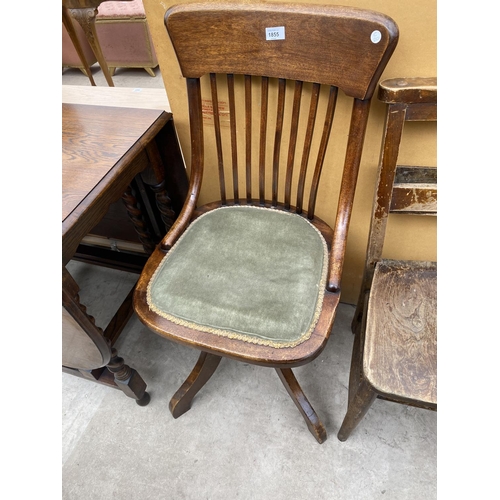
(163, 201)
(89, 341)
(128, 380)
(136, 216)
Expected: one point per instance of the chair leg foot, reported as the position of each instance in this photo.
(358, 406)
(144, 401)
(199, 376)
(293, 388)
(127, 379)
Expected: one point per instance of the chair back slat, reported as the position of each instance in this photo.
(277, 138)
(263, 138)
(327, 128)
(218, 139)
(234, 146)
(311, 121)
(248, 136)
(294, 124)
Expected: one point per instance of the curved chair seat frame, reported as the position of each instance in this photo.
(236, 349)
(223, 47)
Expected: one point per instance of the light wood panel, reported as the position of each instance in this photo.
(121, 97)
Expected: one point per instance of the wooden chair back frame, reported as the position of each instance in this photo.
(232, 36)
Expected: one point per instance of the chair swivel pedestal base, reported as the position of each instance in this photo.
(314, 424)
(204, 369)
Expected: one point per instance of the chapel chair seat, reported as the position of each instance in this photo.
(255, 276)
(400, 350)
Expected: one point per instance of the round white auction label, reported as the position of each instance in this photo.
(376, 36)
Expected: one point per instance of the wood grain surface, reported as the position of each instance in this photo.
(102, 151)
(401, 333)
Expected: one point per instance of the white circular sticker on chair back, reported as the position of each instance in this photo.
(376, 36)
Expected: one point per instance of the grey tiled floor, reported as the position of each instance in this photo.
(243, 437)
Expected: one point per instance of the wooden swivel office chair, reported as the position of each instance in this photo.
(395, 353)
(252, 276)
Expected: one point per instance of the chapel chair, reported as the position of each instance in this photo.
(395, 353)
(254, 277)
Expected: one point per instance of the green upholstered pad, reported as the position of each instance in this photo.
(244, 272)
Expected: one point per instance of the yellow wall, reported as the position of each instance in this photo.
(408, 237)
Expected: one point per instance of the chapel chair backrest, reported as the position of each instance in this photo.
(276, 59)
(400, 188)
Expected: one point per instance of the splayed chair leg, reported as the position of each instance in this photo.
(359, 404)
(293, 388)
(199, 376)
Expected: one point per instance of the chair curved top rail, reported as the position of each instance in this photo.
(230, 34)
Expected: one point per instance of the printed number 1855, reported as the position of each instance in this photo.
(276, 33)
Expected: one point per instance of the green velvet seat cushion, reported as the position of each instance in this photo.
(244, 272)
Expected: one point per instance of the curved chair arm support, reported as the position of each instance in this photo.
(357, 131)
(196, 176)
(184, 217)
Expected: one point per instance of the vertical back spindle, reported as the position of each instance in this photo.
(277, 138)
(232, 125)
(263, 133)
(218, 141)
(293, 141)
(327, 128)
(307, 145)
(248, 136)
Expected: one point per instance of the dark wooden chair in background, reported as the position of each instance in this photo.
(253, 277)
(395, 353)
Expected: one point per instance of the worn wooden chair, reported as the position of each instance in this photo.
(394, 353)
(252, 276)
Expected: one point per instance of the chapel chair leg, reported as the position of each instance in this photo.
(357, 319)
(293, 388)
(355, 371)
(200, 375)
(357, 408)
